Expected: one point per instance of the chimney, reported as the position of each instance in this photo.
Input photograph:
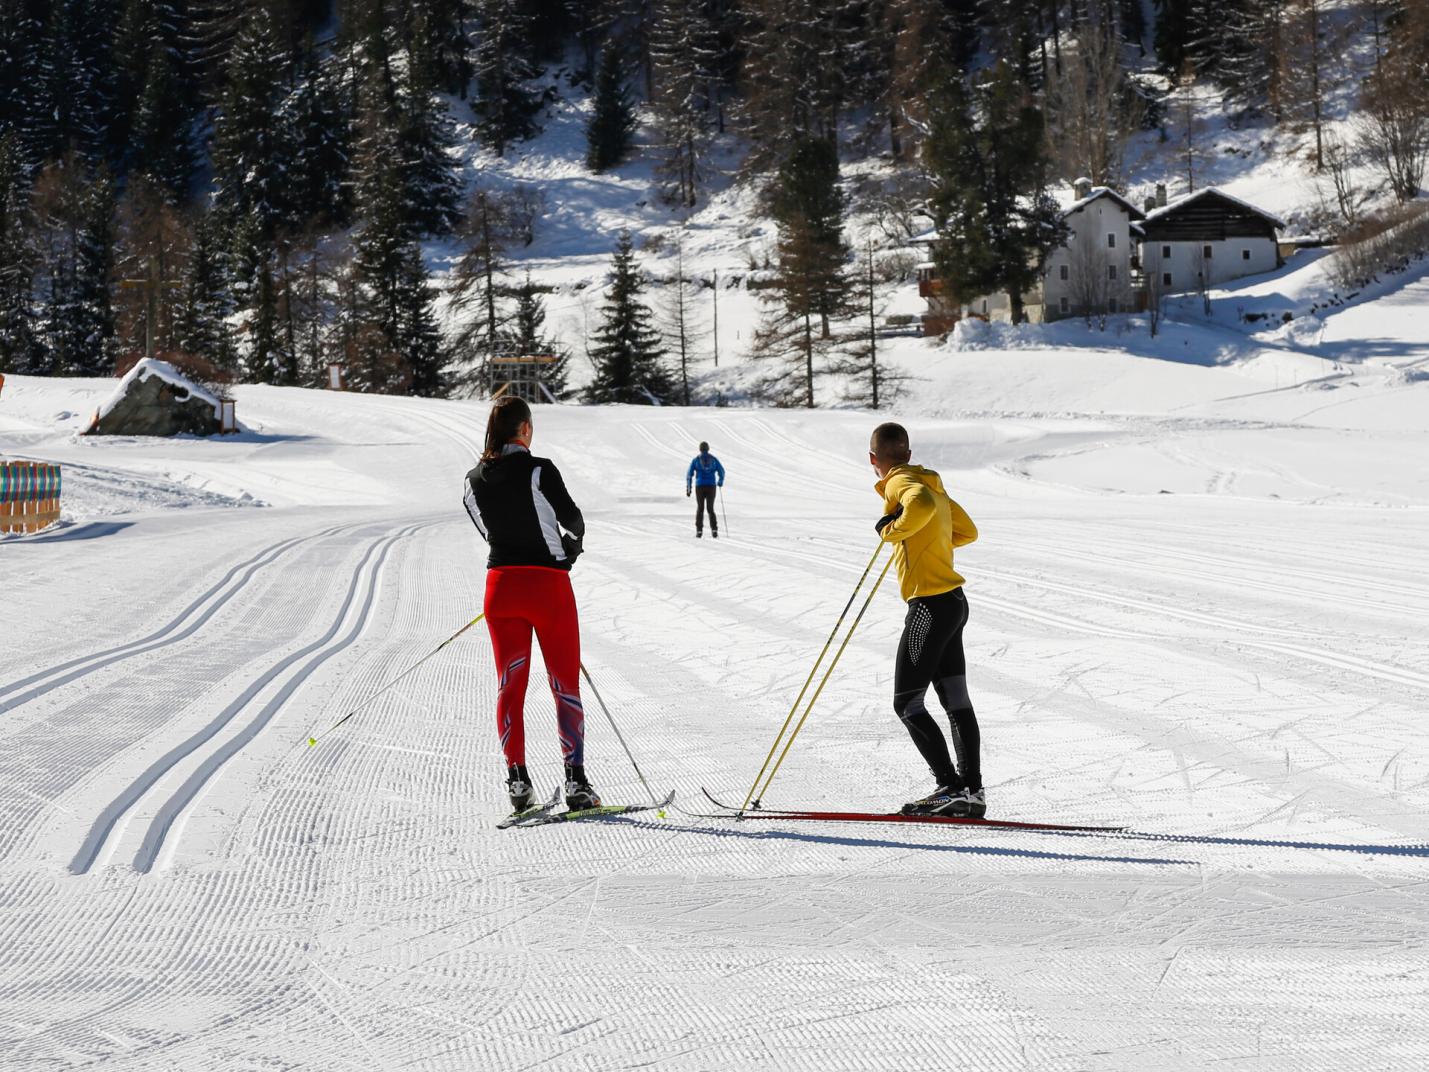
(1160, 195)
(1149, 204)
(1082, 188)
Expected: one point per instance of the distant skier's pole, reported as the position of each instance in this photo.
(618, 735)
(827, 674)
(812, 671)
(314, 740)
(719, 490)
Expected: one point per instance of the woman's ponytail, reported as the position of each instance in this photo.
(507, 416)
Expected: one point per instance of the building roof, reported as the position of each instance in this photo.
(1210, 191)
(1067, 206)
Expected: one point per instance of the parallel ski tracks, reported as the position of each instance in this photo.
(316, 652)
(183, 625)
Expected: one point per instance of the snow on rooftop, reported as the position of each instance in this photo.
(153, 367)
(1206, 191)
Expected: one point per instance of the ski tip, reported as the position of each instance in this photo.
(312, 741)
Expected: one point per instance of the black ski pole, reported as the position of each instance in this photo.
(618, 735)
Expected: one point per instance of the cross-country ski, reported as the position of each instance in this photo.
(729, 811)
(547, 815)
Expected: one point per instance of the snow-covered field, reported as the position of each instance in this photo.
(1198, 609)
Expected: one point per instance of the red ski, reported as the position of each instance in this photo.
(894, 817)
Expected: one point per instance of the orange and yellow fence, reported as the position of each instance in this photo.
(29, 496)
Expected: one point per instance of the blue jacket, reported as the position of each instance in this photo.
(703, 468)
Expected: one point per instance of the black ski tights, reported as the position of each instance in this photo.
(930, 652)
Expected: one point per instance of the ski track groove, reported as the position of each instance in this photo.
(138, 700)
(160, 638)
(170, 812)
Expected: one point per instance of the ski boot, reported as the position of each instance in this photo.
(518, 787)
(579, 794)
(957, 801)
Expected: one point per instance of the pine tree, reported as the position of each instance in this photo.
(682, 325)
(682, 53)
(322, 128)
(912, 42)
(396, 349)
(161, 143)
(201, 320)
(479, 288)
(418, 338)
(150, 253)
(253, 151)
(810, 287)
(870, 383)
(62, 114)
(1090, 109)
(433, 190)
(792, 74)
(528, 336)
(74, 207)
(808, 206)
(20, 80)
(504, 106)
(627, 352)
(21, 349)
(995, 223)
(613, 121)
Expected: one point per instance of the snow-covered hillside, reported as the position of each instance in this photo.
(1196, 609)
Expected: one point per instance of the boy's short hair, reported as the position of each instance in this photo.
(890, 443)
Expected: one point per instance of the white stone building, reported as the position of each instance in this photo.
(1093, 272)
(1206, 238)
(1116, 252)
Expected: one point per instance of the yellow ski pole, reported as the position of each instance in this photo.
(314, 740)
(812, 671)
(827, 674)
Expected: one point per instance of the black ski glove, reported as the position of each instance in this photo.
(888, 519)
(572, 546)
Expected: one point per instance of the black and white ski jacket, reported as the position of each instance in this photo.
(519, 504)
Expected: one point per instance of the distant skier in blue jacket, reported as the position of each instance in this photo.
(707, 474)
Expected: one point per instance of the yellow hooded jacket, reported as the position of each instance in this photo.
(924, 535)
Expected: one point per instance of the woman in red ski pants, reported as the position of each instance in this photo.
(520, 505)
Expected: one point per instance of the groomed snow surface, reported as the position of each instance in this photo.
(1197, 608)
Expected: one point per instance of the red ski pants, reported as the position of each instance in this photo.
(520, 599)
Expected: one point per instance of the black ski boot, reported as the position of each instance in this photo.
(579, 794)
(957, 801)
(518, 786)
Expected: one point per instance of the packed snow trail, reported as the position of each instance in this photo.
(1242, 677)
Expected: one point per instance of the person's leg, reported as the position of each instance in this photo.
(558, 630)
(703, 505)
(710, 506)
(912, 674)
(511, 644)
(951, 684)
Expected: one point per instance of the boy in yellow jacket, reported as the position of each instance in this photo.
(924, 525)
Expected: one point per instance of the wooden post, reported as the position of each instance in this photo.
(227, 418)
